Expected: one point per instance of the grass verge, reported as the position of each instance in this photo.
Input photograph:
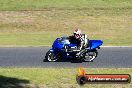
(58, 77)
(63, 4)
(32, 28)
(39, 22)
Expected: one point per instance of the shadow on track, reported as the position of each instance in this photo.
(10, 82)
(69, 60)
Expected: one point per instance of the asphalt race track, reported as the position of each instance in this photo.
(33, 57)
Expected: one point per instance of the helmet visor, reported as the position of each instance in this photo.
(77, 35)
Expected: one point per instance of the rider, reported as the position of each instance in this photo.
(80, 39)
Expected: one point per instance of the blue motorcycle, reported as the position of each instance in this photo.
(63, 48)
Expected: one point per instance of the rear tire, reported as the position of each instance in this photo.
(90, 56)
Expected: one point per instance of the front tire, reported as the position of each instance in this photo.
(50, 57)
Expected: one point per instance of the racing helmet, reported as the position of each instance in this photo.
(77, 33)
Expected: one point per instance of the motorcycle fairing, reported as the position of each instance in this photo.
(95, 44)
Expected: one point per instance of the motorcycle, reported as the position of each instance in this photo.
(62, 48)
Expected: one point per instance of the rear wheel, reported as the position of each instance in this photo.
(90, 56)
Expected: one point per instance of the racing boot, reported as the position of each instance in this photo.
(80, 53)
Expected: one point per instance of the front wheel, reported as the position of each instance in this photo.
(50, 57)
(90, 56)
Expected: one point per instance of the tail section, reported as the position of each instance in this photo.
(95, 43)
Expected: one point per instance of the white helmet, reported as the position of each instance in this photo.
(77, 33)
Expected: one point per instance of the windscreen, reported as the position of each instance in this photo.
(64, 40)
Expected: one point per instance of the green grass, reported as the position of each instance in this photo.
(40, 22)
(59, 77)
(66, 4)
(39, 28)
(25, 39)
